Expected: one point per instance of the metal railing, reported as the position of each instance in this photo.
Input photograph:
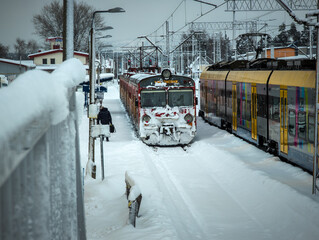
(41, 193)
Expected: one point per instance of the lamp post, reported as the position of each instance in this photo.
(91, 163)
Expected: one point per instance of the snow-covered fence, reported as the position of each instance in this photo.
(40, 174)
(134, 197)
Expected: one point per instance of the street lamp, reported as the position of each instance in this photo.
(106, 36)
(104, 28)
(92, 87)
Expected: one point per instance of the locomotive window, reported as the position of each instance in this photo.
(302, 125)
(311, 128)
(180, 97)
(153, 98)
(292, 123)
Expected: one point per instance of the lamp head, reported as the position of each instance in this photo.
(116, 10)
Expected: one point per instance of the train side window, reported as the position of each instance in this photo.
(302, 125)
(292, 123)
(248, 111)
(243, 112)
(238, 108)
(229, 98)
(311, 128)
(261, 106)
(274, 108)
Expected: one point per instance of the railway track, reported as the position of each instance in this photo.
(192, 200)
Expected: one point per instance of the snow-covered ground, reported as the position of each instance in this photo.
(219, 188)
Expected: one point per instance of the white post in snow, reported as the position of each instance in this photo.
(68, 29)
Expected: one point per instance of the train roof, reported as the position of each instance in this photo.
(148, 79)
(265, 64)
(139, 76)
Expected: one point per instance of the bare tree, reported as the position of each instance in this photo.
(23, 48)
(20, 48)
(32, 47)
(4, 51)
(49, 23)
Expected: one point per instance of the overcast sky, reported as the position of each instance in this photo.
(142, 17)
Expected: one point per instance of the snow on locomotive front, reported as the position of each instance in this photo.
(167, 109)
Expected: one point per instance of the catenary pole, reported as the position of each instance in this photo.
(315, 160)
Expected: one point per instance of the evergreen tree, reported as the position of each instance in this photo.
(294, 34)
(282, 39)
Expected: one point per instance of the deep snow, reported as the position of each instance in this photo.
(218, 188)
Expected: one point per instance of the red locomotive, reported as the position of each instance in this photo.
(162, 107)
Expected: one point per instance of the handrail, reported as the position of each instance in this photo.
(41, 193)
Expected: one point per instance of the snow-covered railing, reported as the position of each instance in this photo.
(41, 193)
(134, 198)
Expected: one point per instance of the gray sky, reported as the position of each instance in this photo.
(142, 17)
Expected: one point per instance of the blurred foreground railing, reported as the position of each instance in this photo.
(41, 193)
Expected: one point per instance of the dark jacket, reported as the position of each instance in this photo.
(104, 116)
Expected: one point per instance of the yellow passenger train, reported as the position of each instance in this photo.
(268, 102)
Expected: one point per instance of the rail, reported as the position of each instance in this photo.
(41, 193)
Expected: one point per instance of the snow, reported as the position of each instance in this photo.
(134, 193)
(35, 93)
(220, 187)
(26, 63)
(106, 75)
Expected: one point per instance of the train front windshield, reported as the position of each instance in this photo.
(155, 98)
(178, 98)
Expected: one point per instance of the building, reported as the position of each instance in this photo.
(55, 56)
(12, 68)
(55, 42)
(48, 60)
(281, 52)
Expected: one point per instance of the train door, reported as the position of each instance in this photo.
(234, 106)
(254, 112)
(283, 121)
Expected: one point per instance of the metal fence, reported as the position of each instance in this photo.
(41, 193)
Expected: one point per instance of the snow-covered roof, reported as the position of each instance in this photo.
(55, 51)
(106, 75)
(24, 63)
(47, 67)
(139, 76)
(50, 39)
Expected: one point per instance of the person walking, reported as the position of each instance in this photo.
(104, 117)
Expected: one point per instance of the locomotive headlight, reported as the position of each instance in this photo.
(146, 118)
(188, 118)
(166, 74)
